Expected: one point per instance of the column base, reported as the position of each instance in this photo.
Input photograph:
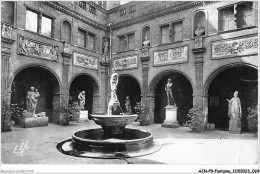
(170, 124)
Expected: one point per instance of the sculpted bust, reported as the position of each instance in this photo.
(146, 42)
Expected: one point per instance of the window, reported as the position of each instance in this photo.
(82, 38)
(123, 12)
(92, 10)
(131, 41)
(236, 16)
(127, 42)
(177, 32)
(46, 28)
(38, 23)
(31, 21)
(86, 39)
(171, 32)
(82, 5)
(66, 31)
(165, 34)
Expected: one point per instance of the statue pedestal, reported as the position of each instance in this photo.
(171, 117)
(234, 126)
(83, 116)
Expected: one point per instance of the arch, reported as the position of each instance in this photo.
(162, 74)
(206, 21)
(142, 34)
(221, 84)
(219, 70)
(129, 86)
(33, 65)
(157, 98)
(79, 74)
(66, 30)
(44, 80)
(122, 75)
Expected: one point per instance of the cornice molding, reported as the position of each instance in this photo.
(58, 6)
(97, 6)
(158, 13)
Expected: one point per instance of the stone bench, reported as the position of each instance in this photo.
(34, 122)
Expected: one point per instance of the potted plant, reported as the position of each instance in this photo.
(6, 123)
(195, 120)
(252, 118)
(64, 114)
(16, 114)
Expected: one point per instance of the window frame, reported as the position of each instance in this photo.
(39, 21)
(86, 40)
(167, 24)
(127, 41)
(232, 5)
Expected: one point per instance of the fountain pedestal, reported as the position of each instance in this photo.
(171, 117)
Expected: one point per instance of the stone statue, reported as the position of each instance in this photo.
(113, 105)
(81, 98)
(235, 114)
(200, 30)
(127, 105)
(146, 42)
(113, 84)
(125, 43)
(105, 46)
(168, 89)
(31, 100)
(234, 108)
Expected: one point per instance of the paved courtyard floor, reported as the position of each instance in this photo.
(179, 146)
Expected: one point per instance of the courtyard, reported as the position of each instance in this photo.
(180, 146)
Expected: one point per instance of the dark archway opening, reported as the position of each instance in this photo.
(128, 86)
(242, 79)
(83, 83)
(182, 94)
(43, 80)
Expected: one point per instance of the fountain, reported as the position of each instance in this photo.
(113, 140)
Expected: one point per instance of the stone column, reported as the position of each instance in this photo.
(104, 84)
(145, 119)
(67, 55)
(6, 44)
(198, 98)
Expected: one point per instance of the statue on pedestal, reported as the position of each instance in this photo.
(31, 100)
(235, 114)
(81, 98)
(146, 42)
(127, 105)
(168, 89)
(200, 30)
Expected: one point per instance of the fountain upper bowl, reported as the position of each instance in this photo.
(114, 120)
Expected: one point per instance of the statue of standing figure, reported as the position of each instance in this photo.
(235, 114)
(127, 105)
(234, 107)
(113, 103)
(81, 98)
(168, 89)
(31, 100)
(113, 84)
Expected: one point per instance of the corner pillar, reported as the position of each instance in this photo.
(146, 117)
(67, 55)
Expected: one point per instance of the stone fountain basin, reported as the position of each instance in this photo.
(114, 120)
